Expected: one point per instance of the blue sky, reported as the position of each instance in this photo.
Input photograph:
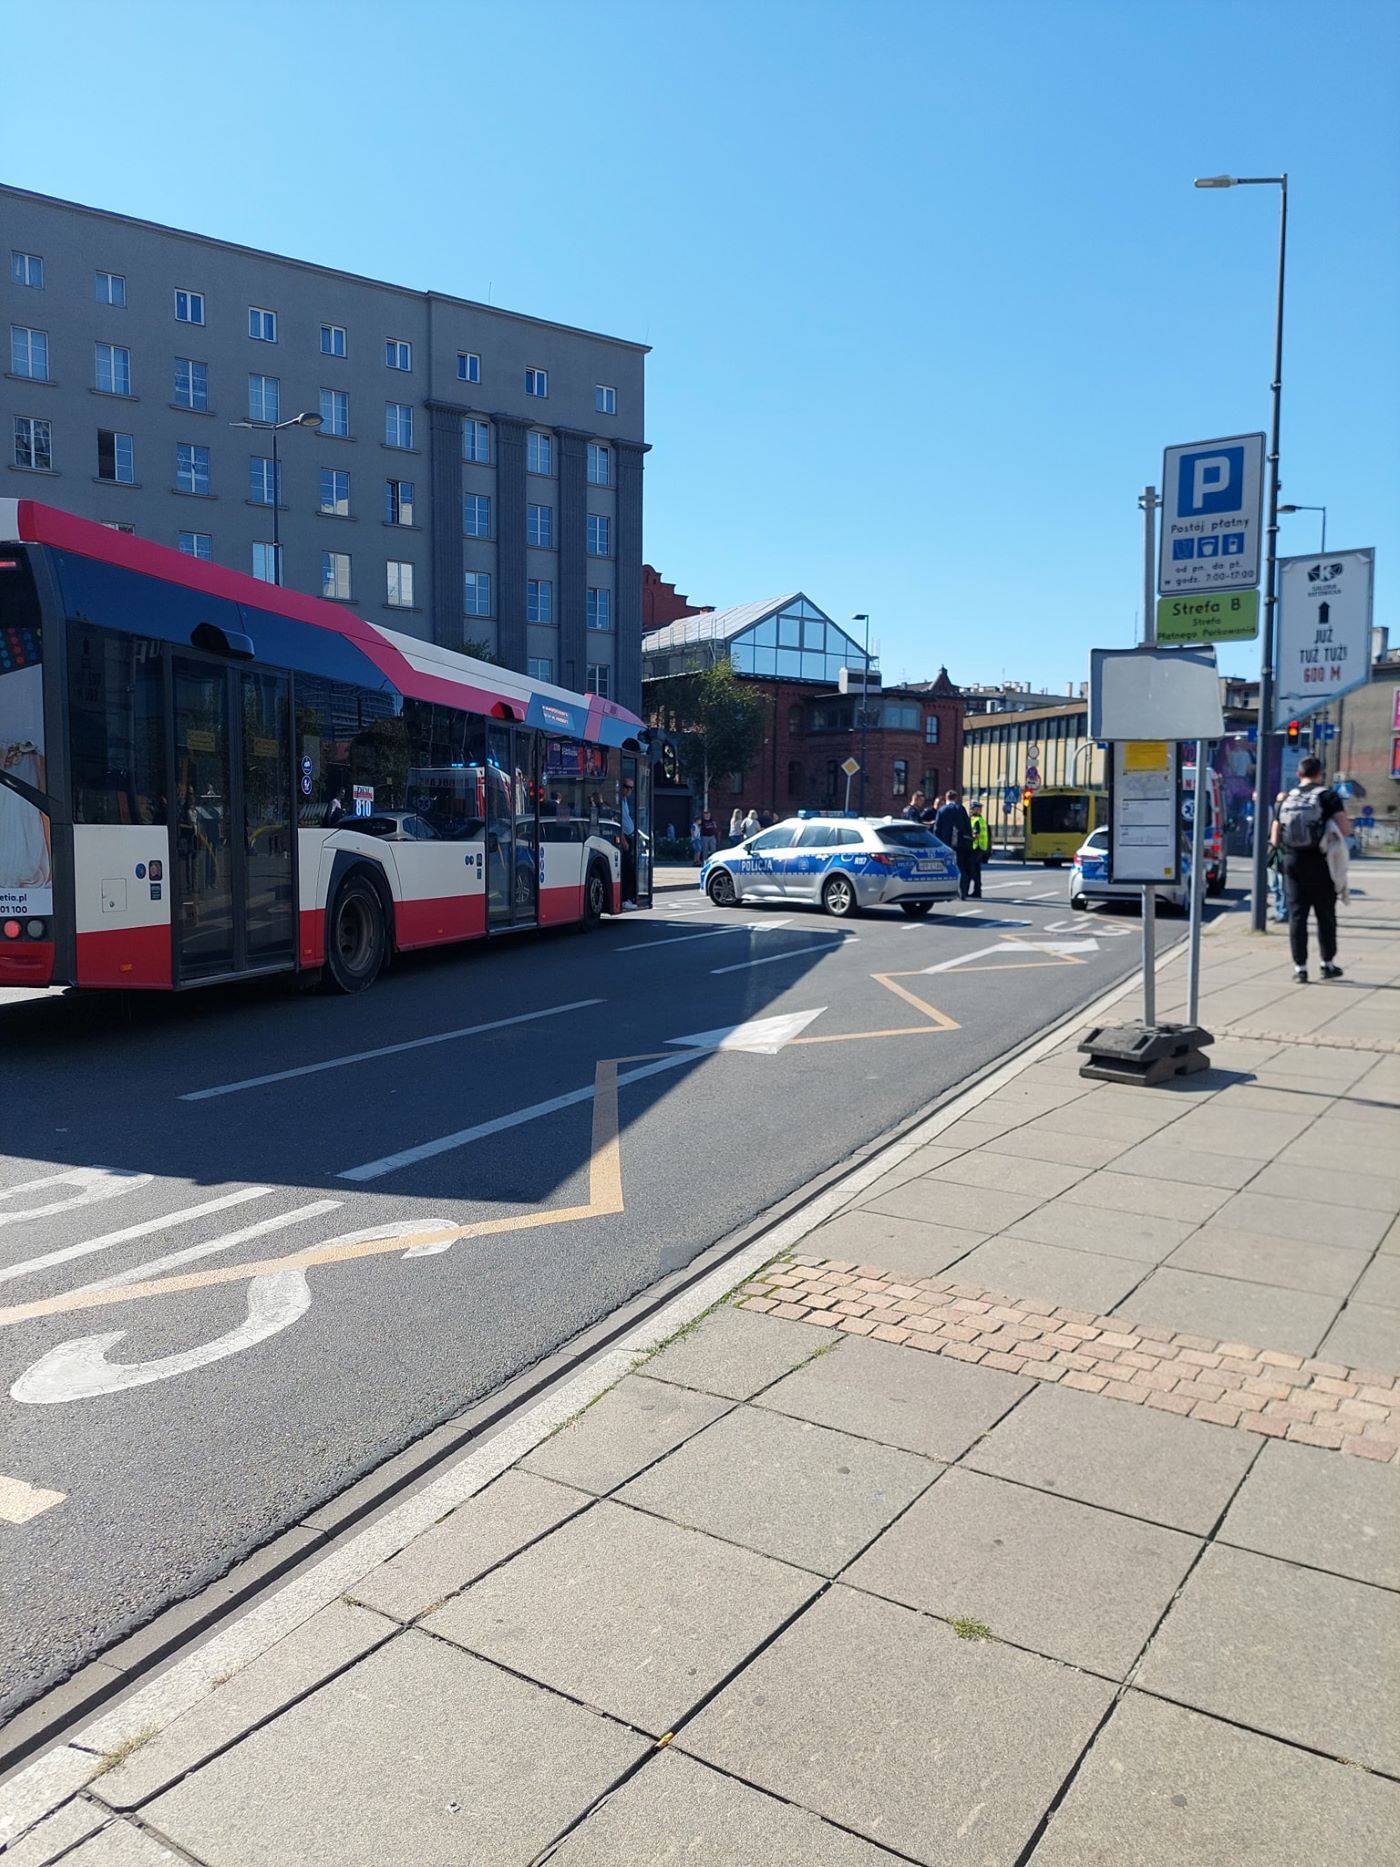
(928, 285)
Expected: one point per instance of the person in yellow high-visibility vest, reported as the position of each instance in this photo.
(981, 849)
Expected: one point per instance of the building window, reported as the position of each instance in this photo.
(398, 424)
(931, 729)
(537, 382)
(398, 584)
(468, 366)
(335, 413)
(794, 722)
(197, 544)
(599, 536)
(794, 782)
(29, 353)
(476, 592)
(476, 439)
(899, 786)
(539, 452)
(599, 675)
(191, 468)
(539, 600)
(605, 399)
(263, 487)
(900, 715)
(27, 269)
(262, 325)
(599, 609)
(930, 785)
(540, 668)
(116, 457)
(112, 369)
(111, 289)
(539, 526)
(476, 515)
(599, 465)
(335, 575)
(398, 502)
(265, 567)
(398, 355)
(33, 443)
(189, 307)
(191, 383)
(264, 398)
(335, 492)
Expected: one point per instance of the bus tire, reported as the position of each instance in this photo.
(597, 892)
(356, 936)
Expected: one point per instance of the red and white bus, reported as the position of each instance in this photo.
(206, 777)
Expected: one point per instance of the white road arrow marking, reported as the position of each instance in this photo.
(763, 1037)
(1008, 949)
(711, 933)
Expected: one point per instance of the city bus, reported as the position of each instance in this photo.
(205, 777)
(1057, 820)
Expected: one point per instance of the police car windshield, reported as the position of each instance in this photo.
(906, 836)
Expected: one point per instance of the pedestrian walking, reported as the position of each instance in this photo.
(1277, 896)
(981, 848)
(736, 826)
(709, 835)
(1300, 824)
(695, 855)
(629, 845)
(953, 826)
(752, 824)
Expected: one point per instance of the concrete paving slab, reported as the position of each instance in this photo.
(420, 1756)
(1243, 1134)
(1118, 1122)
(1365, 1335)
(1303, 1504)
(912, 1167)
(633, 1424)
(782, 1486)
(1009, 1173)
(1125, 1192)
(56, 1833)
(1380, 1283)
(1296, 1215)
(638, 1617)
(1390, 1244)
(1233, 1310)
(495, 1523)
(1330, 1147)
(676, 1809)
(1304, 1100)
(1166, 1158)
(1112, 1234)
(969, 1208)
(733, 1353)
(121, 1845)
(973, 1129)
(877, 1390)
(1066, 1580)
(912, 1247)
(1308, 1657)
(1078, 1279)
(321, 1647)
(1339, 1185)
(1157, 1466)
(947, 1750)
(1225, 1251)
(1075, 1150)
(1165, 1787)
(1333, 1070)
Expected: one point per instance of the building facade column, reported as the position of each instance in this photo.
(627, 669)
(445, 559)
(511, 640)
(573, 560)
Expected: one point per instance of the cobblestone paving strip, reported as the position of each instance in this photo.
(1231, 1384)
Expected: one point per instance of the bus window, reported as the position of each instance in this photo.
(116, 711)
(1060, 816)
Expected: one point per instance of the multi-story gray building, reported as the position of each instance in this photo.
(475, 478)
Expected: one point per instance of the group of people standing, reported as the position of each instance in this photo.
(964, 831)
(704, 829)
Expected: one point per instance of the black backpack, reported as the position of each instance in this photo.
(1300, 818)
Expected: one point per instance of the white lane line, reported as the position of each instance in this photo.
(375, 1169)
(386, 1050)
(991, 888)
(188, 1255)
(91, 1183)
(20, 1501)
(967, 913)
(772, 959)
(66, 1252)
(714, 933)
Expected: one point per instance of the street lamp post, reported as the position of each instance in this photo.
(864, 705)
(1263, 800)
(274, 428)
(1321, 509)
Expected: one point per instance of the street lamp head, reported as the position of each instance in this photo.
(307, 420)
(1215, 181)
(861, 617)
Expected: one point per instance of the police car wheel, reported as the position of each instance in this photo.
(839, 898)
(721, 889)
(1078, 903)
(915, 909)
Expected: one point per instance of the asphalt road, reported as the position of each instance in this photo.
(190, 1425)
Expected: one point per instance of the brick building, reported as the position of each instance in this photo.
(662, 603)
(808, 671)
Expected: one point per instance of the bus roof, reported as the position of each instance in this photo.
(419, 670)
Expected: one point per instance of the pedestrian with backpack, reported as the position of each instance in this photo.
(1301, 819)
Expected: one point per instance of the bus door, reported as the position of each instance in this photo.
(233, 882)
(512, 842)
(639, 771)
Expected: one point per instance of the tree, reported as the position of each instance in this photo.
(719, 724)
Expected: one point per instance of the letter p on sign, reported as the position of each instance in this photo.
(1211, 482)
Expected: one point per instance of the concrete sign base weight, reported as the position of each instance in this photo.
(1144, 1054)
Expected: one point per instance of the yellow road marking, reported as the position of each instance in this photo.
(20, 1501)
(938, 1020)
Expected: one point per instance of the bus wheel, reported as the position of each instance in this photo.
(355, 937)
(596, 893)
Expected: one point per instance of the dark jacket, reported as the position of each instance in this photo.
(953, 826)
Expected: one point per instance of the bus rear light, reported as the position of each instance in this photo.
(36, 929)
(11, 930)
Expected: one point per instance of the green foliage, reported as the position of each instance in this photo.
(719, 723)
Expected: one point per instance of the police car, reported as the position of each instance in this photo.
(1088, 878)
(842, 864)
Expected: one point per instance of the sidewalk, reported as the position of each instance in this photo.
(1039, 1505)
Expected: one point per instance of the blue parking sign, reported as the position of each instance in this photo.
(1211, 515)
(1210, 479)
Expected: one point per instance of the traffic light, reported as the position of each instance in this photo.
(1026, 796)
(1295, 732)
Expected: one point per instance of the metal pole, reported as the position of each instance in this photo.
(1324, 531)
(276, 502)
(864, 713)
(1148, 502)
(1263, 799)
(1200, 796)
(848, 794)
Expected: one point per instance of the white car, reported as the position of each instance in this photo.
(842, 864)
(1088, 878)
